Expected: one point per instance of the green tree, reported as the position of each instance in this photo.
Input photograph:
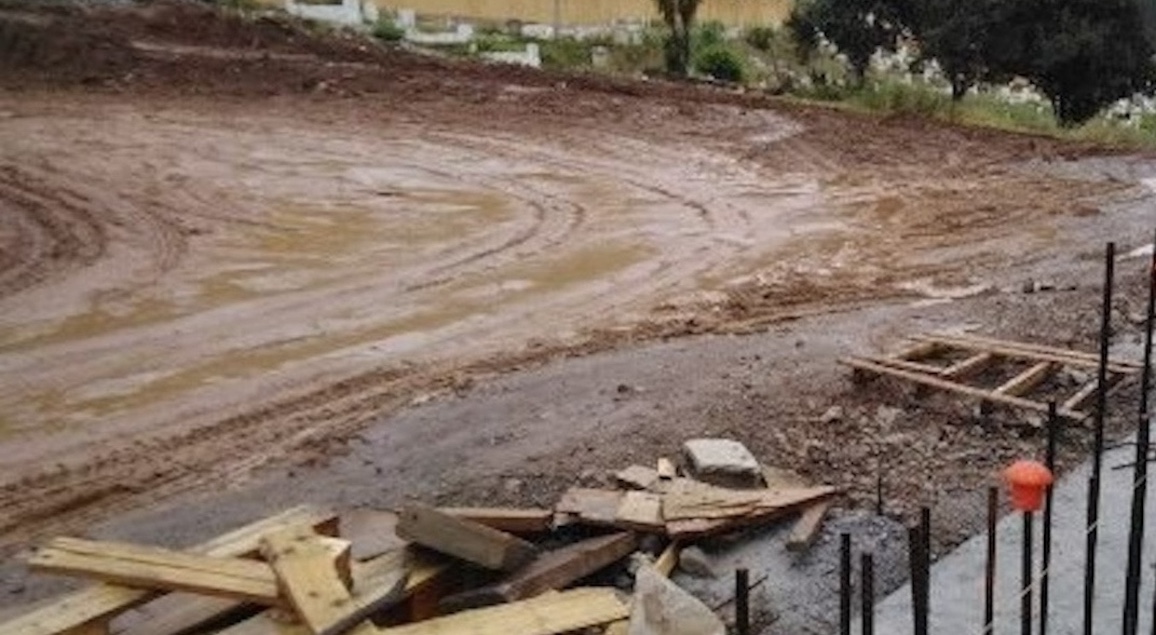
(1082, 54)
(679, 18)
(857, 27)
(956, 34)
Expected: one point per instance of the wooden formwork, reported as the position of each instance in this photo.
(953, 362)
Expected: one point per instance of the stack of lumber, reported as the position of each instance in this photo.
(413, 571)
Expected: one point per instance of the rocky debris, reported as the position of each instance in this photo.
(832, 414)
(723, 462)
(662, 608)
(695, 562)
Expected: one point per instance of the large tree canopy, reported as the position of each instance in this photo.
(1082, 54)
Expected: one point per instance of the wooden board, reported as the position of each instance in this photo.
(668, 559)
(1033, 352)
(159, 569)
(944, 384)
(1076, 401)
(641, 511)
(808, 526)
(546, 615)
(308, 573)
(594, 506)
(101, 602)
(969, 367)
(552, 570)
(514, 521)
(700, 501)
(1040, 348)
(666, 469)
(176, 613)
(1027, 381)
(464, 539)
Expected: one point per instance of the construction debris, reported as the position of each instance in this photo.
(1010, 372)
(723, 462)
(432, 570)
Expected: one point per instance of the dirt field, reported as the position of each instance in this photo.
(228, 246)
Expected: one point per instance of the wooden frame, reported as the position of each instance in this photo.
(983, 352)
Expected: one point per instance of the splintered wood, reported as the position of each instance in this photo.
(421, 570)
(970, 357)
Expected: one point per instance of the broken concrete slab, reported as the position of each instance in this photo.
(695, 562)
(723, 462)
(662, 608)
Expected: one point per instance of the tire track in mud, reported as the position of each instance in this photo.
(43, 234)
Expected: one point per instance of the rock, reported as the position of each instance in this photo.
(660, 607)
(1078, 377)
(514, 485)
(885, 416)
(1029, 286)
(637, 560)
(723, 462)
(833, 414)
(694, 561)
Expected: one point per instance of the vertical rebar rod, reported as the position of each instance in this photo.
(1098, 443)
(1026, 578)
(742, 602)
(925, 533)
(1090, 548)
(879, 493)
(917, 558)
(989, 570)
(845, 584)
(1140, 469)
(867, 589)
(1046, 555)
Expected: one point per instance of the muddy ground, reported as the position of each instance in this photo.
(249, 257)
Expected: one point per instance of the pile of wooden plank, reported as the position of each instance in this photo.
(993, 371)
(417, 570)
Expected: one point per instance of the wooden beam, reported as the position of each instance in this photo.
(545, 615)
(666, 469)
(1039, 354)
(1026, 381)
(514, 521)
(552, 570)
(468, 540)
(668, 559)
(1076, 401)
(637, 477)
(308, 573)
(100, 602)
(1041, 348)
(592, 506)
(159, 569)
(807, 528)
(641, 511)
(914, 367)
(944, 384)
(969, 367)
(917, 351)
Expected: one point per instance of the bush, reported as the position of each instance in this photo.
(904, 99)
(709, 35)
(761, 38)
(567, 52)
(386, 31)
(722, 64)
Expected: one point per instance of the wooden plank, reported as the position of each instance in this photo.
(419, 570)
(668, 559)
(100, 602)
(514, 521)
(641, 511)
(160, 569)
(594, 506)
(917, 351)
(914, 367)
(666, 469)
(807, 528)
(692, 500)
(464, 539)
(1041, 348)
(944, 384)
(552, 570)
(1026, 381)
(637, 477)
(307, 572)
(1008, 349)
(970, 367)
(546, 615)
(1076, 401)
(178, 613)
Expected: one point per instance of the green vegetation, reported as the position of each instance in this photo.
(678, 15)
(387, 31)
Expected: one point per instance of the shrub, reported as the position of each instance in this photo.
(386, 31)
(761, 38)
(722, 64)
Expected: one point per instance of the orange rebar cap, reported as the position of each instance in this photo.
(1028, 480)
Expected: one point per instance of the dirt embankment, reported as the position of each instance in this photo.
(197, 281)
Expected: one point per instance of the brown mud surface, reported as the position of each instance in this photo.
(229, 246)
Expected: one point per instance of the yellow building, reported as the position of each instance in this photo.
(742, 13)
